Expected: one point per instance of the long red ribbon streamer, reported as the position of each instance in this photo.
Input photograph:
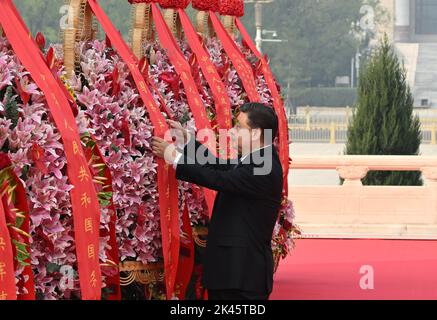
(218, 89)
(186, 263)
(112, 281)
(167, 183)
(277, 104)
(194, 100)
(238, 60)
(86, 210)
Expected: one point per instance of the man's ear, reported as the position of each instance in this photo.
(257, 134)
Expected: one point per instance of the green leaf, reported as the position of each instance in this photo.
(52, 267)
(19, 222)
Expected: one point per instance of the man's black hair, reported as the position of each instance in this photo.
(261, 116)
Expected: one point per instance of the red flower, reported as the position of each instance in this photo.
(173, 80)
(206, 5)
(141, 1)
(232, 8)
(48, 243)
(143, 65)
(286, 225)
(50, 58)
(126, 132)
(4, 161)
(115, 82)
(108, 42)
(174, 4)
(141, 217)
(37, 155)
(25, 97)
(40, 40)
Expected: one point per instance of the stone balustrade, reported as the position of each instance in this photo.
(352, 210)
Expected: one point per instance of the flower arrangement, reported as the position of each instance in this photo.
(26, 128)
(31, 140)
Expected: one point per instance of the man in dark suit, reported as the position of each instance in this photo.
(238, 262)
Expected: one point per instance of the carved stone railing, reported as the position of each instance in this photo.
(352, 210)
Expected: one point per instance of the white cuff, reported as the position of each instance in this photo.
(188, 139)
(176, 159)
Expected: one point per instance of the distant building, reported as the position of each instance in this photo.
(412, 26)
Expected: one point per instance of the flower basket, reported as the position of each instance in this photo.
(142, 27)
(204, 25)
(142, 281)
(134, 271)
(80, 26)
(171, 17)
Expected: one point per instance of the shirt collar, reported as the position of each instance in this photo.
(244, 157)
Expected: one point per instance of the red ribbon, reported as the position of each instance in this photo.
(218, 89)
(186, 263)
(194, 100)
(277, 104)
(167, 183)
(83, 197)
(7, 276)
(239, 62)
(144, 66)
(112, 281)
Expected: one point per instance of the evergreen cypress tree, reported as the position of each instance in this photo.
(383, 122)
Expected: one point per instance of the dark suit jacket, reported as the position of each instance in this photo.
(238, 253)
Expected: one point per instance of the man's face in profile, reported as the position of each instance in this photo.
(241, 134)
(244, 138)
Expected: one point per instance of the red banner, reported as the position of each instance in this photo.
(238, 60)
(218, 89)
(7, 276)
(186, 263)
(277, 104)
(84, 200)
(112, 281)
(167, 183)
(194, 100)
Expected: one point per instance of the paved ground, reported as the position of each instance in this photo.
(328, 177)
(338, 269)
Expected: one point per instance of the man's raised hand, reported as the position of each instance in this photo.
(181, 135)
